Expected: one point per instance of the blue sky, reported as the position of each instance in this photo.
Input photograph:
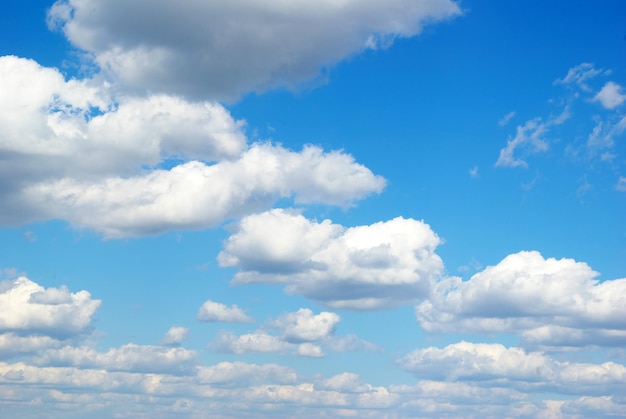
(393, 208)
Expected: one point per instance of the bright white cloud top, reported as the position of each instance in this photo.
(344, 208)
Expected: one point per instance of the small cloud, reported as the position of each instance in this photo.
(175, 336)
(474, 172)
(30, 237)
(621, 184)
(610, 96)
(217, 312)
(506, 118)
(579, 75)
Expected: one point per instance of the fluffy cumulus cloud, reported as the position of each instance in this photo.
(192, 48)
(72, 151)
(374, 266)
(304, 326)
(300, 333)
(552, 302)
(218, 312)
(532, 371)
(27, 308)
(175, 335)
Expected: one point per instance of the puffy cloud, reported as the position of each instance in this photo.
(71, 151)
(610, 96)
(128, 357)
(272, 44)
(82, 130)
(195, 195)
(529, 137)
(531, 371)
(553, 302)
(259, 342)
(175, 335)
(304, 326)
(28, 308)
(385, 264)
(621, 184)
(217, 312)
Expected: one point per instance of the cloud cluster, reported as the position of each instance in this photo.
(550, 302)
(513, 367)
(385, 264)
(300, 333)
(27, 308)
(539, 134)
(130, 166)
(194, 49)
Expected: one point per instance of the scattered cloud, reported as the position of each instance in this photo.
(28, 308)
(610, 96)
(298, 40)
(473, 172)
(550, 302)
(385, 264)
(175, 336)
(513, 367)
(506, 118)
(129, 357)
(579, 75)
(529, 137)
(217, 312)
(621, 184)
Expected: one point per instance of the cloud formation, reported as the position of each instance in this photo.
(385, 264)
(218, 312)
(551, 302)
(131, 166)
(193, 49)
(28, 308)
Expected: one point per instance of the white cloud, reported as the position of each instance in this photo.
(128, 357)
(70, 151)
(259, 342)
(610, 96)
(273, 43)
(175, 335)
(621, 184)
(217, 312)
(28, 308)
(385, 264)
(529, 137)
(506, 118)
(240, 374)
(532, 371)
(546, 299)
(195, 195)
(579, 75)
(304, 326)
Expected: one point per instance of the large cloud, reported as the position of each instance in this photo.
(552, 302)
(221, 49)
(385, 264)
(129, 357)
(69, 150)
(513, 367)
(27, 308)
